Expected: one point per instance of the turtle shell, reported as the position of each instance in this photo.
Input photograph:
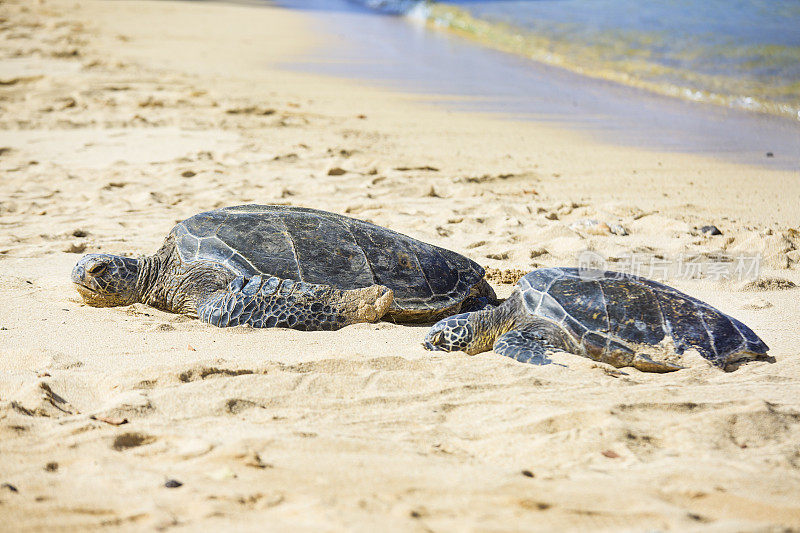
(320, 247)
(629, 309)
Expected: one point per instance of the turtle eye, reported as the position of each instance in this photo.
(96, 269)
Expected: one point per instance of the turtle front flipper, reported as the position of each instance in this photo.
(275, 302)
(524, 345)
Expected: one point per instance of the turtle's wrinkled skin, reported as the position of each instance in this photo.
(610, 317)
(287, 266)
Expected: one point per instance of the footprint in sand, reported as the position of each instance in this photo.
(127, 440)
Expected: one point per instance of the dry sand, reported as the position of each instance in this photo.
(119, 118)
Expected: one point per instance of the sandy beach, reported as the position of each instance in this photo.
(118, 119)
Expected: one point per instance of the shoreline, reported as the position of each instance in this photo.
(121, 118)
(515, 40)
(402, 54)
(549, 48)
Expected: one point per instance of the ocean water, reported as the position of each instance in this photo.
(736, 53)
(399, 46)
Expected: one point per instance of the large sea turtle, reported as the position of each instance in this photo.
(618, 319)
(289, 267)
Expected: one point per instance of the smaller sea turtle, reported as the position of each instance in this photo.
(618, 319)
(267, 266)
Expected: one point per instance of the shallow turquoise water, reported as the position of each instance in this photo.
(740, 53)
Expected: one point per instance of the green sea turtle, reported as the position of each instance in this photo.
(618, 319)
(291, 267)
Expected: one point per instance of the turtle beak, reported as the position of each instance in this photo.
(78, 274)
(80, 277)
(430, 344)
(88, 267)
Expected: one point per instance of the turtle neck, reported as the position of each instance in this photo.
(149, 269)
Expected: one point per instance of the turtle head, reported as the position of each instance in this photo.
(107, 280)
(458, 333)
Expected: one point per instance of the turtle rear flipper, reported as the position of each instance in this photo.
(646, 364)
(482, 297)
(524, 345)
(619, 355)
(275, 302)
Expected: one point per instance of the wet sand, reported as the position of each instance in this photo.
(120, 118)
